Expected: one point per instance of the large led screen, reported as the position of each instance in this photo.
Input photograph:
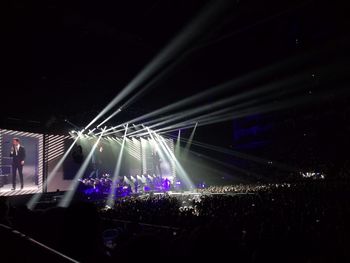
(21, 162)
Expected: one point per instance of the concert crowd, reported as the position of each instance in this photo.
(305, 222)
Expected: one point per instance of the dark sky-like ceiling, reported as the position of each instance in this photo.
(70, 58)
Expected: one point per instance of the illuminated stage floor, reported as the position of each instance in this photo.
(6, 189)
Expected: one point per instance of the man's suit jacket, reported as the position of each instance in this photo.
(21, 155)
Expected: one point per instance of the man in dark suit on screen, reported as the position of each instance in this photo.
(18, 155)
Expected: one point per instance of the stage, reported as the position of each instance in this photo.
(5, 190)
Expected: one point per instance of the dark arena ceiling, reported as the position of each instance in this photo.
(68, 59)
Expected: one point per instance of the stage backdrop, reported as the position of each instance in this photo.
(137, 159)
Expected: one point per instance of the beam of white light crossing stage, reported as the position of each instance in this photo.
(157, 147)
(187, 123)
(110, 200)
(290, 63)
(265, 108)
(235, 83)
(67, 198)
(180, 170)
(148, 123)
(109, 117)
(244, 156)
(170, 68)
(175, 129)
(189, 142)
(232, 167)
(175, 48)
(178, 144)
(35, 198)
(112, 132)
(267, 89)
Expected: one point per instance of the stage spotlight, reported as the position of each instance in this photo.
(91, 131)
